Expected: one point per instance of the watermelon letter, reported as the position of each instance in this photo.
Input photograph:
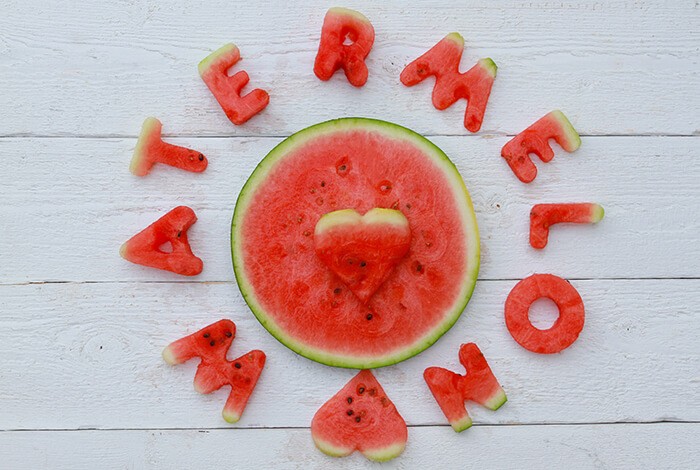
(145, 247)
(442, 61)
(543, 216)
(150, 149)
(478, 385)
(227, 90)
(211, 345)
(535, 139)
(342, 25)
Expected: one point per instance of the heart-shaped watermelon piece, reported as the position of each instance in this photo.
(360, 417)
(362, 250)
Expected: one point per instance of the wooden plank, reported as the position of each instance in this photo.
(99, 69)
(70, 201)
(88, 355)
(662, 446)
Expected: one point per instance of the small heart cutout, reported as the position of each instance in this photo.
(362, 250)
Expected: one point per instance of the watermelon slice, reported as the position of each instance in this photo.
(452, 390)
(543, 216)
(150, 149)
(211, 344)
(227, 89)
(362, 250)
(535, 139)
(564, 331)
(146, 247)
(358, 164)
(442, 62)
(346, 39)
(360, 417)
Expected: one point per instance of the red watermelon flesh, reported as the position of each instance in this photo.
(227, 89)
(535, 139)
(211, 344)
(347, 37)
(145, 248)
(362, 250)
(358, 164)
(442, 62)
(543, 216)
(150, 149)
(360, 417)
(566, 328)
(452, 390)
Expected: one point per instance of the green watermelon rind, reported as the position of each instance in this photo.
(467, 211)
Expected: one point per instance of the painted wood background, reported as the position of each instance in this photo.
(82, 384)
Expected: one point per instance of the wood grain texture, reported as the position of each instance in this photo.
(88, 355)
(82, 190)
(659, 446)
(87, 68)
(78, 78)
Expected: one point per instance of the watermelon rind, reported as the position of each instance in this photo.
(573, 140)
(340, 11)
(215, 56)
(489, 66)
(496, 401)
(139, 166)
(461, 424)
(466, 208)
(597, 213)
(386, 453)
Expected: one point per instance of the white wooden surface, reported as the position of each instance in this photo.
(82, 384)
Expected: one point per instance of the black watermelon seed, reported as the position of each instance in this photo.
(361, 390)
(349, 400)
(206, 335)
(358, 419)
(337, 290)
(237, 365)
(323, 183)
(350, 412)
(369, 316)
(201, 157)
(229, 334)
(179, 233)
(342, 167)
(212, 343)
(419, 267)
(363, 264)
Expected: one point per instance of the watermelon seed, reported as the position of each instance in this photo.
(350, 412)
(361, 390)
(408, 206)
(363, 264)
(206, 335)
(349, 400)
(337, 290)
(212, 343)
(307, 233)
(201, 157)
(179, 232)
(358, 419)
(419, 267)
(237, 365)
(229, 334)
(385, 186)
(323, 183)
(369, 316)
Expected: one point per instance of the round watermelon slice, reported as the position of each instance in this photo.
(359, 165)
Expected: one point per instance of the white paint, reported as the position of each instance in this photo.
(659, 446)
(89, 355)
(92, 69)
(82, 189)
(86, 354)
